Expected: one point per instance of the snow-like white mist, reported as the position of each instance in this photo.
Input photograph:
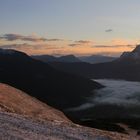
(117, 92)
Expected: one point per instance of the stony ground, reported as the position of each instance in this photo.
(17, 127)
(16, 101)
(23, 117)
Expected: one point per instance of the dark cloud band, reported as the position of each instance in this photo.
(14, 37)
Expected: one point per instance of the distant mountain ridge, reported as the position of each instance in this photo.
(50, 58)
(42, 81)
(131, 57)
(126, 67)
(93, 59)
(72, 59)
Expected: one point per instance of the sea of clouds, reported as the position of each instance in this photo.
(117, 92)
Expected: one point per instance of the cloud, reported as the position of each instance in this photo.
(124, 94)
(81, 43)
(28, 46)
(74, 45)
(33, 49)
(109, 30)
(34, 45)
(55, 48)
(22, 47)
(13, 37)
(125, 42)
(113, 46)
(33, 38)
(55, 39)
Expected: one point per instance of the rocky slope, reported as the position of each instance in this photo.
(40, 80)
(25, 118)
(16, 101)
(17, 127)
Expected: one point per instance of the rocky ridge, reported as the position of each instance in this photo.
(25, 118)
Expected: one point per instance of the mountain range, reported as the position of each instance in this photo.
(93, 59)
(40, 80)
(50, 58)
(126, 67)
(61, 85)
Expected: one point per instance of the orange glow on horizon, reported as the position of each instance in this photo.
(81, 47)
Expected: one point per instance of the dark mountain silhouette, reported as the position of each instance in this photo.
(45, 58)
(69, 58)
(93, 59)
(49, 58)
(126, 67)
(40, 80)
(131, 57)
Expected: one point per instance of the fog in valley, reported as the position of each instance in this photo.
(120, 93)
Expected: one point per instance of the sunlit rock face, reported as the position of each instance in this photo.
(15, 101)
(133, 56)
(137, 49)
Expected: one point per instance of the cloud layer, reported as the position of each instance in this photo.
(35, 44)
(33, 38)
(13, 37)
(109, 30)
(81, 43)
(117, 92)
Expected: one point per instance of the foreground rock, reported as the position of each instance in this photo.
(17, 127)
(40, 80)
(24, 117)
(16, 101)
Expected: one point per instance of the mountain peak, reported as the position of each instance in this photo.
(133, 56)
(7, 51)
(10, 55)
(137, 49)
(124, 54)
(66, 58)
(11, 52)
(69, 58)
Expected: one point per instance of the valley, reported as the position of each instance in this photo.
(69, 70)
(117, 102)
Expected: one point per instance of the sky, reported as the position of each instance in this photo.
(80, 27)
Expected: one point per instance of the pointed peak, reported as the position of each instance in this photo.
(124, 54)
(137, 49)
(7, 51)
